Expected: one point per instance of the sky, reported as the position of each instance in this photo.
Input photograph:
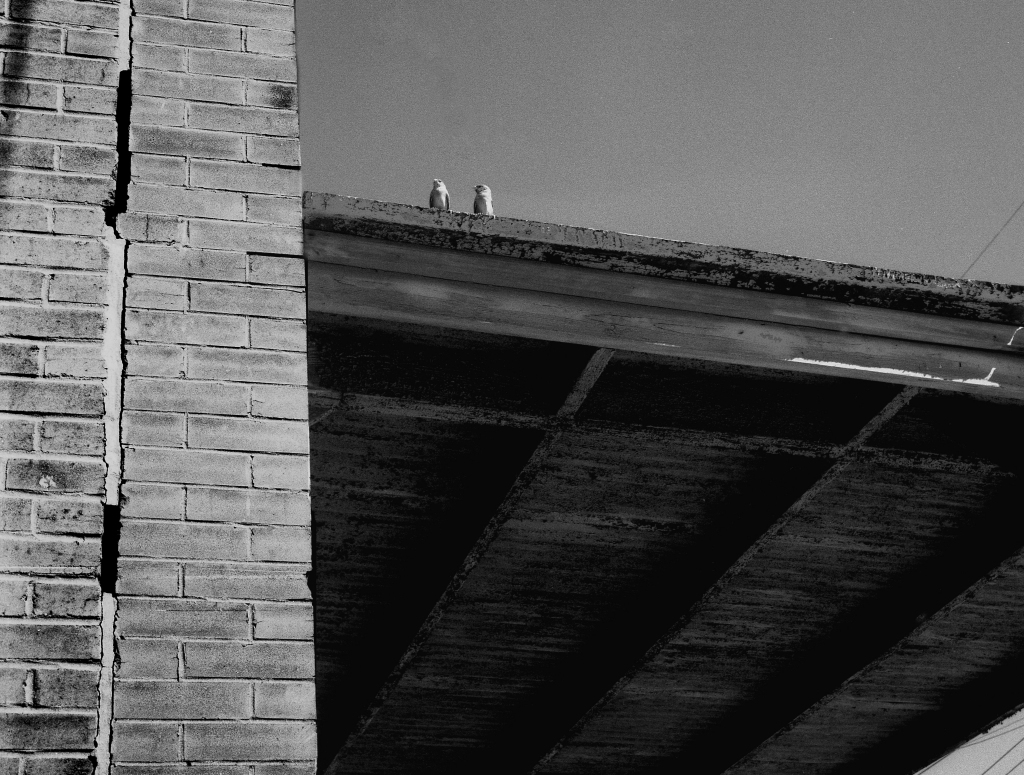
(885, 133)
(877, 132)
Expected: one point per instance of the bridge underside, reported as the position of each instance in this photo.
(540, 555)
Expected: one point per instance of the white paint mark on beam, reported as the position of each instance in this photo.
(1019, 329)
(986, 381)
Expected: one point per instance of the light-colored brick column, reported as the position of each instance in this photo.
(214, 624)
(60, 291)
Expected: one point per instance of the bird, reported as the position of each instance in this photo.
(482, 203)
(439, 196)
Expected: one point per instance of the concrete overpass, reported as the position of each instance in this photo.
(588, 502)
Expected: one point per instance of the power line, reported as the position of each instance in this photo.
(978, 257)
(1008, 750)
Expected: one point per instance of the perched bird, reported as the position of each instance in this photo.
(482, 203)
(439, 196)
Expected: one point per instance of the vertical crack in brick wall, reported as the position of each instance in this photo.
(115, 356)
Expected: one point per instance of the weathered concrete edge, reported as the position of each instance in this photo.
(688, 261)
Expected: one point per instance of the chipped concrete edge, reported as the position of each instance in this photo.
(670, 259)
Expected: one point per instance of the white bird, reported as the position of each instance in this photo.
(439, 196)
(482, 203)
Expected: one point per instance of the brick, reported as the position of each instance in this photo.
(172, 200)
(283, 622)
(13, 594)
(15, 514)
(30, 396)
(17, 435)
(20, 284)
(146, 659)
(183, 262)
(51, 322)
(85, 221)
(184, 769)
(145, 577)
(148, 228)
(69, 12)
(275, 42)
(187, 466)
(247, 366)
(69, 517)
(26, 153)
(286, 768)
(26, 37)
(278, 334)
(142, 741)
(183, 540)
(29, 551)
(60, 186)
(226, 175)
(86, 99)
(246, 300)
(245, 581)
(23, 216)
(96, 72)
(174, 8)
(82, 129)
(55, 476)
(272, 150)
(30, 94)
(156, 293)
(50, 731)
(153, 429)
(250, 740)
(19, 358)
(156, 360)
(64, 688)
(158, 111)
(72, 438)
(186, 396)
(291, 403)
(245, 12)
(92, 43)
(244, 119)
(146, 55)
(198, 88)
(174, 141)
(170, 170)
(281, 544)
(152, 501)
(248, 435)
(194, 34)
(209, 659)
(78, 288)
(291, 700)
(185, 328)
(34, 640)
(284, 211)
(9, 766)
(280, 473)
(66, 600)
(84, 158)
(263, 68)
(272, 94)
(208, 504)
(67, 360)
(12, 685)
(182, 619)
(182, 700)
(52, 765)
(227, 235)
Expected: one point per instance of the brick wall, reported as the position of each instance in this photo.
(214, 622)
(59, 64)
(214, 618)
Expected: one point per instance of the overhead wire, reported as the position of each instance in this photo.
(1005, 754)
(978, 257)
